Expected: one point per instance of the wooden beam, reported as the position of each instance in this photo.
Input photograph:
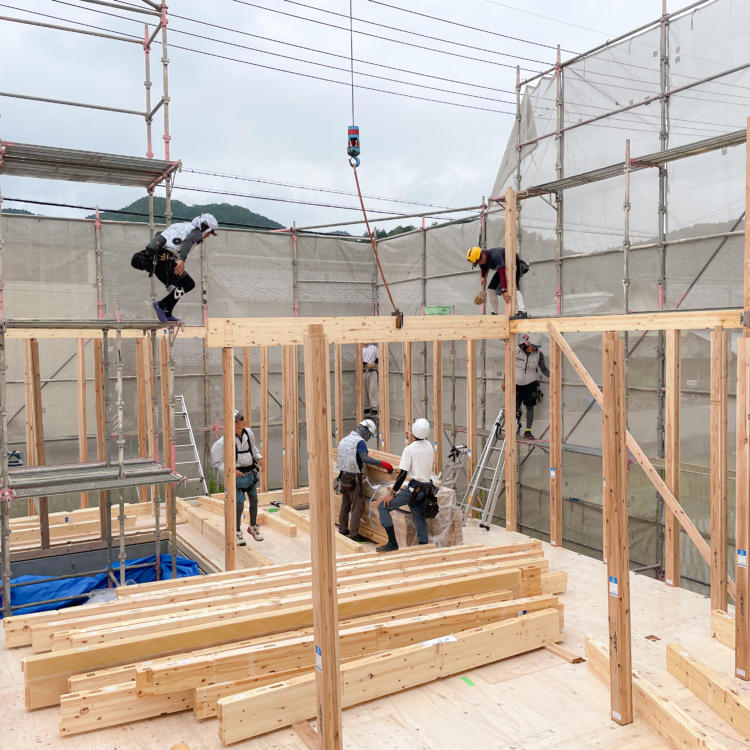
(471, 406)
(288, 412)
(407, 387)
(555, 444)
(359, 394)
(667, 720)
(384, 399)
(719, 474)
(615, 483)
(264, 444)
(187, 332)
(722, 627)
(742, 512)
(230, 487)
(715, 691)
(250, 714)
(325, 615)
(338, 391)
(83, 447)
(223, 332)
(101, 424)
(672, 457)
(437, 403)
(247, 394)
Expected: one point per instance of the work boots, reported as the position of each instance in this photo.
(392, 543)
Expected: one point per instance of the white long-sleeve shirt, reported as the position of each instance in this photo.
(246, 451)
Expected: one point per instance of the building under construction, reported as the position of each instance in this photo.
(578, 588)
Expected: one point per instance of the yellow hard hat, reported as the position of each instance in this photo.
(473, 255)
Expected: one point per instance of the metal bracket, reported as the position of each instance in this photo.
(745, 318)
(399, 318)
(7, 495)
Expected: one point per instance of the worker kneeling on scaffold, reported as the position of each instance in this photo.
(165, 257)
(417, 460)
(494, 259)
(248, 462)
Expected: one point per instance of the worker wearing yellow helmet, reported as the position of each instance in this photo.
(493, 259)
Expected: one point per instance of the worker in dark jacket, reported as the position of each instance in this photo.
(165, 257)
(494, 260)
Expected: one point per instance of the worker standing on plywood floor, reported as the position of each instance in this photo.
(417, 461)
(350, 461)
(248, 462)
(165, 256)
(494, 260)
(370, 367)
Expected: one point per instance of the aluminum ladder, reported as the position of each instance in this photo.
(488, 480)
(186, 451)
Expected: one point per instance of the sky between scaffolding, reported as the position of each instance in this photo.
(260, 90)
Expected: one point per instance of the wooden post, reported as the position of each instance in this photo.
(325, 613)
(359, 395)
(247, 394)
(437, 402)
(288, 419)
(31, 457)
(615, 483)
(264, 417)
(384, 401)
(167, 435)
(338, 391)
(407, 387)
(471, 405)
(672, 457)
(83, 448)
(719, 347)
(230, 488)
(555, 444)
(34, 389)
(511, 446)
(101, 426)
(144, 405)
(742, 533)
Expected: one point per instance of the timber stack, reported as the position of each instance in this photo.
(238, 645)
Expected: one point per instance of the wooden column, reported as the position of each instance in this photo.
(143, 372)
(672, 457)
(359, 395)
(511, 446)
(719, 348)
(83, 448)
(288, 419)
(264, 417)
(471, 405)
(34, 410)
(31, 457)
(384, 401)
(555, 445)
(742, 533)
(338, 395)
(101, 426)
(615, 483)
(325, 612)
(230, 488)
(247, 394)
(407, 387)
(437, 402)
(167, 431)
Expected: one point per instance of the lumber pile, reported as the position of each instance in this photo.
(238, 645)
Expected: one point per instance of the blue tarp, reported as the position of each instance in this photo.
(74, 587)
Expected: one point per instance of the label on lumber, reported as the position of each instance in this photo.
(318, 659)
(741, 558)
(441, 639)
(613, 586)
(552, 472)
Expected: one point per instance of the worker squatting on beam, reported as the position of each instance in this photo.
(494, 260)
(248, 462)
(165, 256)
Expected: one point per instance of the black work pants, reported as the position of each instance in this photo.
(164, 271)
(351, 502)
(526, 395)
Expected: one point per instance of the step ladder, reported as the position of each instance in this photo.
(454, 466)
(186, 451)
(488, 480)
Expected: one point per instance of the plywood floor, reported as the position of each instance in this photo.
(531, 701)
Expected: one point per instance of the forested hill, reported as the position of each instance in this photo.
(226, 214)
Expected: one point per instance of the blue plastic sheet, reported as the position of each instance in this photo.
(76, 588)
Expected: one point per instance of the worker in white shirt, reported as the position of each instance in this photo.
(370, 367)
(248, 462)
(417, 461)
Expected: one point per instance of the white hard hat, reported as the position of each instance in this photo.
(369, 425)
(421, 428)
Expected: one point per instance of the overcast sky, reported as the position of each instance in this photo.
(256, 121)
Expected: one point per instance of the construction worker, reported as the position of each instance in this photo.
(530, 365)
(248, 463)
(351, 459)
(165, 256)
(417, 461)
(494, 259)
(370, 367)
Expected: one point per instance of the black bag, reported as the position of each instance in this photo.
(430, 508)
(143, 260)
(424, 496)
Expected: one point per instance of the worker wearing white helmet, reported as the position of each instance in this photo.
(165, 257)
(416, 461)
(530, 366)
(350, 461)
